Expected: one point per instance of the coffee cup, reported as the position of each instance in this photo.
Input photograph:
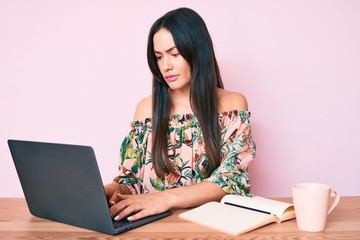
(311, 203)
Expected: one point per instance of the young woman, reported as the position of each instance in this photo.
(190, 142)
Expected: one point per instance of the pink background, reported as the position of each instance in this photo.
(73, 71)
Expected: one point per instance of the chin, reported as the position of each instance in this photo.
(174, 87)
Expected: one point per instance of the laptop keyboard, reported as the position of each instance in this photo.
(121, 223)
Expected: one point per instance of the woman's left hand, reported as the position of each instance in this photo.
(139, 206)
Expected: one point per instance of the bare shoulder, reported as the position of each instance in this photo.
(143, 109)
(231, 101)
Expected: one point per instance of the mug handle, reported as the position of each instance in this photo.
(336, 200)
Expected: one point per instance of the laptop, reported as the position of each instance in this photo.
(62, 182)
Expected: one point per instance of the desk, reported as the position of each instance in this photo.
(17, 223)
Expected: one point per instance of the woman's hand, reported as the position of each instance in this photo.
(111, 191)
(139, 206)
(143, 205)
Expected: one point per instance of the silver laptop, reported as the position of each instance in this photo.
(62, 182)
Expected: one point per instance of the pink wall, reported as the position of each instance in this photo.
(73, 71)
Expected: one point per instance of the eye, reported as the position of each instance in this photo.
(158, 57)
(175, 54)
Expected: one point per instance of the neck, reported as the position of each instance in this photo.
(180, 102)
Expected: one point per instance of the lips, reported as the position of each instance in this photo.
(171, 78)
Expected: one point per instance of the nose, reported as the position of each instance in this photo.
(167, 65)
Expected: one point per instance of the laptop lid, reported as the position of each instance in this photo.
(62, 182)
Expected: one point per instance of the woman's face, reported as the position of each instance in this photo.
(174, 68)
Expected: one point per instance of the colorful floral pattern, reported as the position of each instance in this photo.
(187, 152)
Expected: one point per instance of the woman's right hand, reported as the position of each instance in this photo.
(111, 191)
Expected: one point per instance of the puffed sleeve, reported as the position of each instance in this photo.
(132, 155)
(237, 151)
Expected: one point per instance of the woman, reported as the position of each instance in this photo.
(190, 142)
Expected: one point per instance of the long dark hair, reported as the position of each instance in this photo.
(194, 44)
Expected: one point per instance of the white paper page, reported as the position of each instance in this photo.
(275, 207)
(227, 218)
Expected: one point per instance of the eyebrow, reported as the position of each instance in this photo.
(168, 50)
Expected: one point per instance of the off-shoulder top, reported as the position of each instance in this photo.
(186, 151)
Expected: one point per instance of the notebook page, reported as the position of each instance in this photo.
(264, 204)
(226, 218)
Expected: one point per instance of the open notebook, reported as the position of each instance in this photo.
(236, 215)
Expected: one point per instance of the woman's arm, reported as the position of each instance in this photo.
(152, 203)
(143, 110)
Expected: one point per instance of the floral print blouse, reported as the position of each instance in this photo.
(187, 152)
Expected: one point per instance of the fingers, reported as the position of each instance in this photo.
(138, 215)
(130, 215)
(131, 207)
(121, 207)
(114, 198)
(135, 207)
(110, 189)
